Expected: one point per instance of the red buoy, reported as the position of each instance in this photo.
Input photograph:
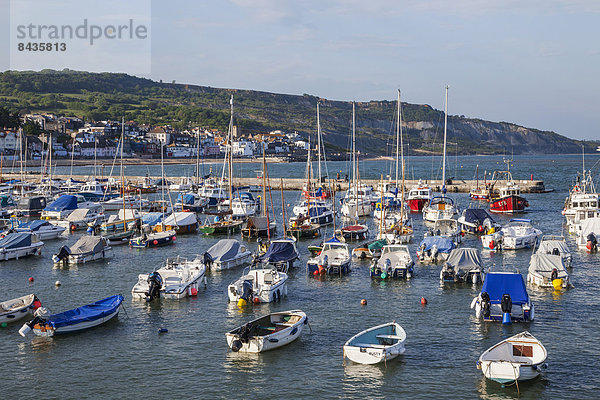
(194, 291)
(155, 242)
(492, 244)
(588, 245)
(480, 228)
(31, 279)
(316, 272)
(423, 301)
(256, 300)
(363, 302)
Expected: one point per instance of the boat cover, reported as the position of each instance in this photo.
(128, 213)
(88, 244)
(181, 218)
(33, 225)
(6, 201)
(545, 263)
(224, 250)
(497, 284)
(333, 240)
(78, 214)
(15, 240)
(315, 211)
(477, 215)
(152, 218)
(90, 312)
(548, 246)
(280, 251)
(188, 199)
(444, 244)
(64, 202)
(465, 259)
(590, 225)
(377, 245)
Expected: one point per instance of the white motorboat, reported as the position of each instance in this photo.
(117, 203)
(268, 332)
(557, 245)
(519, 358)
(191, 201)
(439, 208)
(588, 234)
(419, 196)
(463, 265)
(177, 279)
(504, 297)
(517, 234)
(476, 221)
(86, 249)
(395, 262)
(433, 249)
(79, 219)
(334, 259)
(244, 205)
(547, 270)
(60, 208)
(20, 244)
(446, 227)
(185, 184)
(358, 203)
(226, 254)
(378, 344)
(319, 211)
(43, 229)
(583, 201)
(258, 285)
(19, 308)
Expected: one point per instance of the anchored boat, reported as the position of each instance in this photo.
(375, 345)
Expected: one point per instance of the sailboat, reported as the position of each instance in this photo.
(441, 207)
(320, 191)
(223, 222)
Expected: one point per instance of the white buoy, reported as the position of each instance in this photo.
(57, 283)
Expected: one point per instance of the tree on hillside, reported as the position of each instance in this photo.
(9, 120)
(32, 128)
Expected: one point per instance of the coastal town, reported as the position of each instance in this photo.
(74, 138)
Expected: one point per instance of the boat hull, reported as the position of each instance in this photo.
(77, 327)
(34, 250)
(509, 204)
(416, 205)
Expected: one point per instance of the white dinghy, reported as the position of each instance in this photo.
(519, 358)
(16, 309)
(374, 345)
(268, 332)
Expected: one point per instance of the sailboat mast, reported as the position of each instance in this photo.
(198, 159)
(445, 134)
(354, 167)
(318, 146)
(397, 137)
(402, 160)
(264, 186)
(230, 147)
(123, 171)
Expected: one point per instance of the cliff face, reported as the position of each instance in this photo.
(110, 96)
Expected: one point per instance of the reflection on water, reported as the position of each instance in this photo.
(490, 390)
(368, 380)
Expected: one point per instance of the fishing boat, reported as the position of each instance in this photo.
(226, 254)
(43, 229)
(583, 201)
(154, 239)
(395, 263)
(548, 271)
(434, 249)
(75, 320)
(123, 221)
(221, 226)
(281, 254)
(419, 196)
(509, 199)
(86, 249)
(463, 265)
(557, 245)
(181, 222)
(519, 358)
(517, 234)
(268, 332)
(258, 285)
(588, 234)
(377, 344)
(333, 259)
(177, 279)
(504, 298)
(480, 192)
(476, 221)
(20, 244)
(19, 308)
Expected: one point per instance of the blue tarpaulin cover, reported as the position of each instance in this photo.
(32, 225)
(152, 218)
(64, 202)
(280, 251)
(91, 312)
(14, 240)
(188, 199)
(497, 284)
(473, 215)
(444, 244)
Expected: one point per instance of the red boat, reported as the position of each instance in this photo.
(418, 197)
(510, 200)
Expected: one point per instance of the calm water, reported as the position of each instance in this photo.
(127, 358)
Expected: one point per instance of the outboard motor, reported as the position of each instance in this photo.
(592, 242)
(485, 305)
(208, 260)
(434, 253)
(554, 274)
(506, 305)
(555, 252)
(62, 255)
(247, 290)
(155, 283)
(40, 315)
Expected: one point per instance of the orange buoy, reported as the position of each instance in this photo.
(363, 302)
(423, 301)
(256, 300)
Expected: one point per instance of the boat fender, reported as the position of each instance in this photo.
(236, 345)
(294, 331)
(480, 228)
(278, 295)
(492, 244)
(477, 309)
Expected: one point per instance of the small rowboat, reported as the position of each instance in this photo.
(374, 345)
(519, 358)
(268, 332)
(16, 309)
(75, 320)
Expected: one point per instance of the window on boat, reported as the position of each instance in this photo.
(593, 204)
(590, 214)
(424, 193)
(575, 204)
(522, 351)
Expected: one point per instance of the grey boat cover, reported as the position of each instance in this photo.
(15, 240)
(547, 246)
(224, 250)
(182, 218)
(78, 214)
(88, 244)
(258, 222)
(590, 225)
(543, 264)
(465, 259)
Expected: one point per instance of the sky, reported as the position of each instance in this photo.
(534, 63)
